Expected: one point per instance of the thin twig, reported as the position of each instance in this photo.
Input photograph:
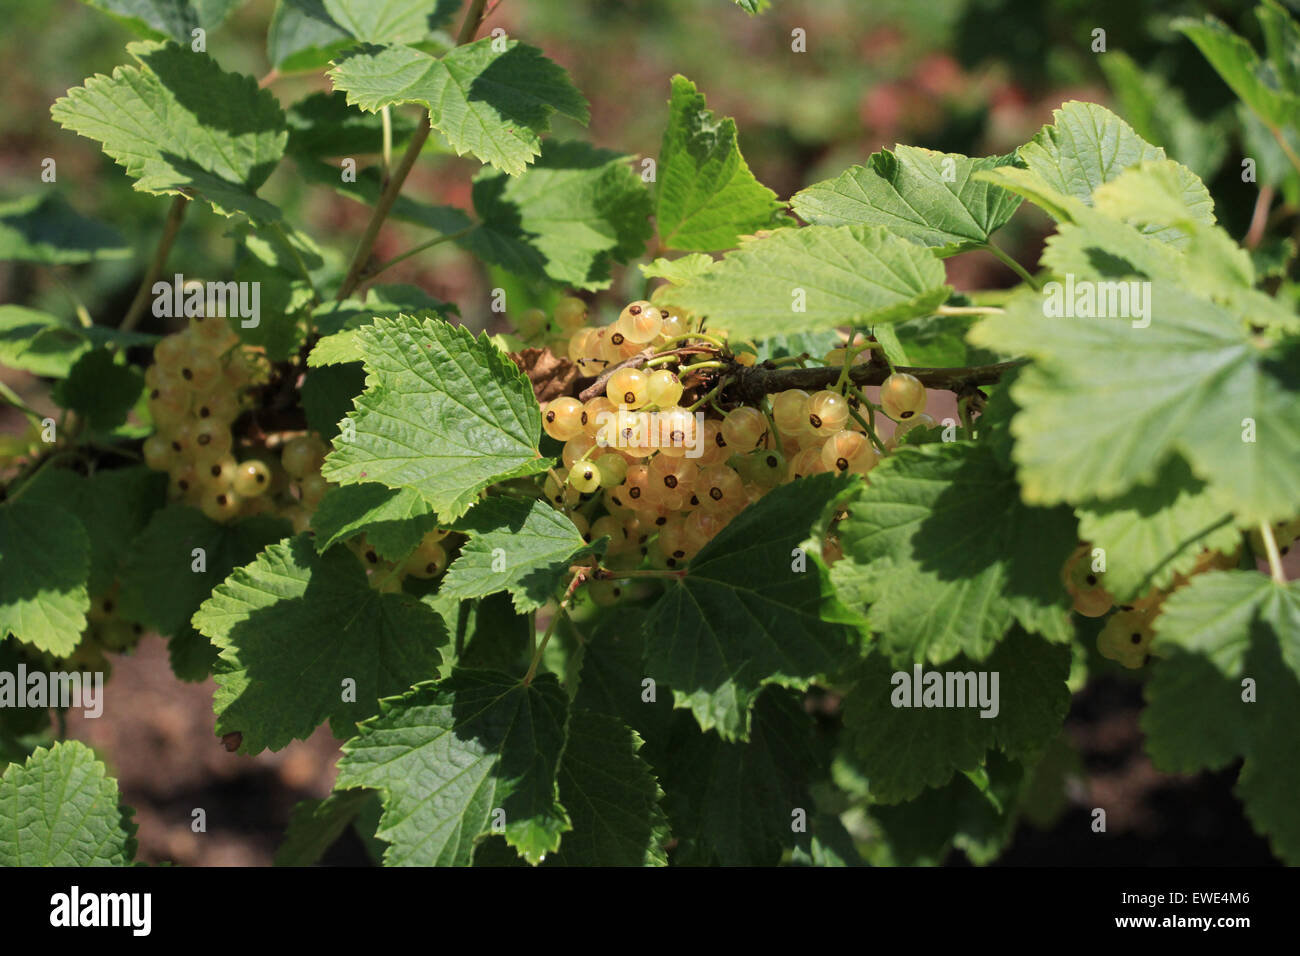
(394, 186)
(172, 226)
(1259, 218)
(447, 237)
(579, 575)
(1011, 264)
(1274, 555)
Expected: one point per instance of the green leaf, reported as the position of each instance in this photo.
(919, 194)
(904, 749)
(294, 618)
(679, 270)
(328, 394)
(490, 102)
(1160, 115)
(1199, 715)
(1216, 614)
(61, 808)
(179, 124)
(393, 520)
(839, 275)
(44, 564)
(314, 825)
(748, 612)
(443, 412)
(392, 21)
(304, 37)
(524, 547)
(1255, 82)
(160, 589)
(1164, 198)
(112, 505)
(947, 557)
(609, 675)
(191, 655)
(1194, 718)
(734, 803)
(1153, 532)
(611, 795)
(447, 755)
(101, 389)
(706, 197)
(338, 322)
(166, 19)
(921, 831)
(38, 342)
(323, 124)
(1107, 404)
(1085, 146)
(567, 218)
(43, 228)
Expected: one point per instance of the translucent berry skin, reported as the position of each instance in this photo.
(313, 489)
(848, 451)
(602, 420)
(200, 371)
(720, 487)
(211, 440)
(827, 413)
(158, 453)
(302, 456)
(678, 432)
(613, 469)
(252, 478)
(702, 526)
(902, 396)
(218, 406)
(765, 467)
(570, 313)
(220, 473)
(674, 542)
(580, 344)
(562, 418)
(220, 505)
(674, 324)
(427, 561)
(743, 427)
(664, 388)
(585, 477)
(531, 323)
(1127, 638)
(672, 474)
(789, 409)
(605, 593)
(628, 386)
(577, 447)
(807, 462)
(611, 527)
(640, 322)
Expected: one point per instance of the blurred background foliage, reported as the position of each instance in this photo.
(970, 76)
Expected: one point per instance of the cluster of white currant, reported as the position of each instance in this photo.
(661, 479)
(1128, 634)
(197, 387)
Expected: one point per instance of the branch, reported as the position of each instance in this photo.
(173, 225)
(391, 189)
(382, 208)
(753, 383)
